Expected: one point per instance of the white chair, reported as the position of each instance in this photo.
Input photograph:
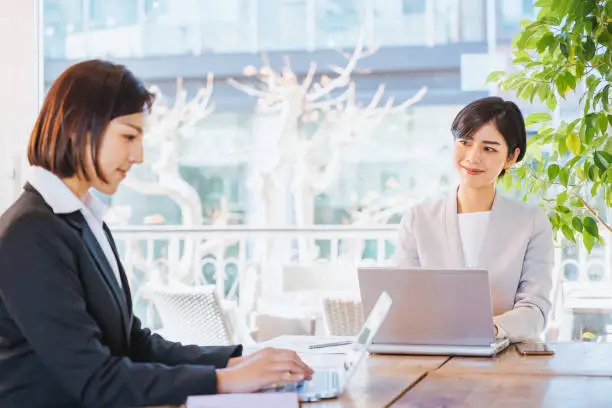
(308, 286)
(191, 315)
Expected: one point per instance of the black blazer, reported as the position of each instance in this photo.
(68, 337)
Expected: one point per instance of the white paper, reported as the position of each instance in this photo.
(300, 344)
(268, 400)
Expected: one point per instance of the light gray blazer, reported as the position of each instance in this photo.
(517, 251)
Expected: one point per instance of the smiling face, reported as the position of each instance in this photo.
(481, 158)
(121, 147)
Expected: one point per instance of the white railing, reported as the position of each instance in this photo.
(238, 260)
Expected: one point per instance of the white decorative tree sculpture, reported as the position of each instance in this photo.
(166, 125)
(288, 104)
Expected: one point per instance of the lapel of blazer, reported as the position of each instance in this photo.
(455, 248)
(77, 220)
(497, 227)
(124, 281)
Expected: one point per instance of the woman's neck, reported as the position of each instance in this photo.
(471, 200)
(78, 187)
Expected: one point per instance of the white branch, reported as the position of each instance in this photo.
(344, 77)
(249, 90)
(309, 76)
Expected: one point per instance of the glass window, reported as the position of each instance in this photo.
(112, 13)
(413, 6)
(281, 24)
(62, 18)
(338, 22)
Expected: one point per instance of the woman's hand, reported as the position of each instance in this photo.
(262, 369)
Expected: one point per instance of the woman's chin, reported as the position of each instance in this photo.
(475, 182)
(107, 189)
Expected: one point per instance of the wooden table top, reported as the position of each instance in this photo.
(577, 358)
(381, 379)
(508, 391)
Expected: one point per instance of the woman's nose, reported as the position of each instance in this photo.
(473, 155)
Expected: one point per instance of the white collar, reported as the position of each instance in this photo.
(60, 198)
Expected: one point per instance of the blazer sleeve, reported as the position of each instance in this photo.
(406, 253)
(41, 290)
(148, 347)
(528, 318)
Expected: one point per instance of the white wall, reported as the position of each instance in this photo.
(19, 90)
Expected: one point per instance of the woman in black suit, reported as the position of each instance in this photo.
(68, 337)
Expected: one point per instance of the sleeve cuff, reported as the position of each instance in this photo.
(501, 333)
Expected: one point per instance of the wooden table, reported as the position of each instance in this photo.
(578, 358)
(508, 391)
(379, 380)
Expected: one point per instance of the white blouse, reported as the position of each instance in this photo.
(472, 229)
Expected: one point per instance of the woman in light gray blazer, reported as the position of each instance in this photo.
(474, 226)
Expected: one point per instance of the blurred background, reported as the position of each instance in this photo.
(292, 133)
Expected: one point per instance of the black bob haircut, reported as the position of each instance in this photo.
(506, 117)
(80, 104)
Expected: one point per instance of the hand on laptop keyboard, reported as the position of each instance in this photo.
(262, 369)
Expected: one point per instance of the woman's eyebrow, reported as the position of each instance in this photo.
(135, 127)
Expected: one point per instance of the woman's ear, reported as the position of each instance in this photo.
(512, 158)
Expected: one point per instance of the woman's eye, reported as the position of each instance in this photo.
(130, 138)
(490, 149)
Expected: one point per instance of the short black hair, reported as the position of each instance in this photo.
(506, 117)
(80, 104)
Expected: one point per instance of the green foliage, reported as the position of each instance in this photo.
(567, 51)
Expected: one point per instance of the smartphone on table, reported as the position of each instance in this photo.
(534, 349)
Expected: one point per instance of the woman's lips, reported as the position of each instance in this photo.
(473, 172)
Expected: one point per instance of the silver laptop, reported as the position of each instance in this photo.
(435, 311)
(326, 384)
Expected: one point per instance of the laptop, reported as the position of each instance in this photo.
(326, 384)
(435, 311)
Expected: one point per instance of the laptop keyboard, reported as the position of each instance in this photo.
(321, 381)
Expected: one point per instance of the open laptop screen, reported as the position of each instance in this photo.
(364, 339)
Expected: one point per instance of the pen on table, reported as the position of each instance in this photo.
(335, 344)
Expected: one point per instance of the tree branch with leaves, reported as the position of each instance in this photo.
(566, 51)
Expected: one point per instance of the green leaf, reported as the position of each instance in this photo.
(551, 101)
(602, 123)
(570, 80)
(564, 49)
(588, 241)
(535, 118)
(589, 49)
(564, 176)
(606, 156)
(600, 160)
(592, 173)
(495, 76)
(573, 143)
(553, 171)
(561, 147)
(589, 134)
(562, 209)
(561, 84)
(590, 226)
(522, 56)
(543, 93)
(507, 181)
(577, 224)
(562, 198)
(568, 233)
(546, 41)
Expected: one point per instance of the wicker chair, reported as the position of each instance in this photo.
(191, 315)
(342, 316)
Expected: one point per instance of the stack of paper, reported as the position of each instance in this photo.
(268, 400)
